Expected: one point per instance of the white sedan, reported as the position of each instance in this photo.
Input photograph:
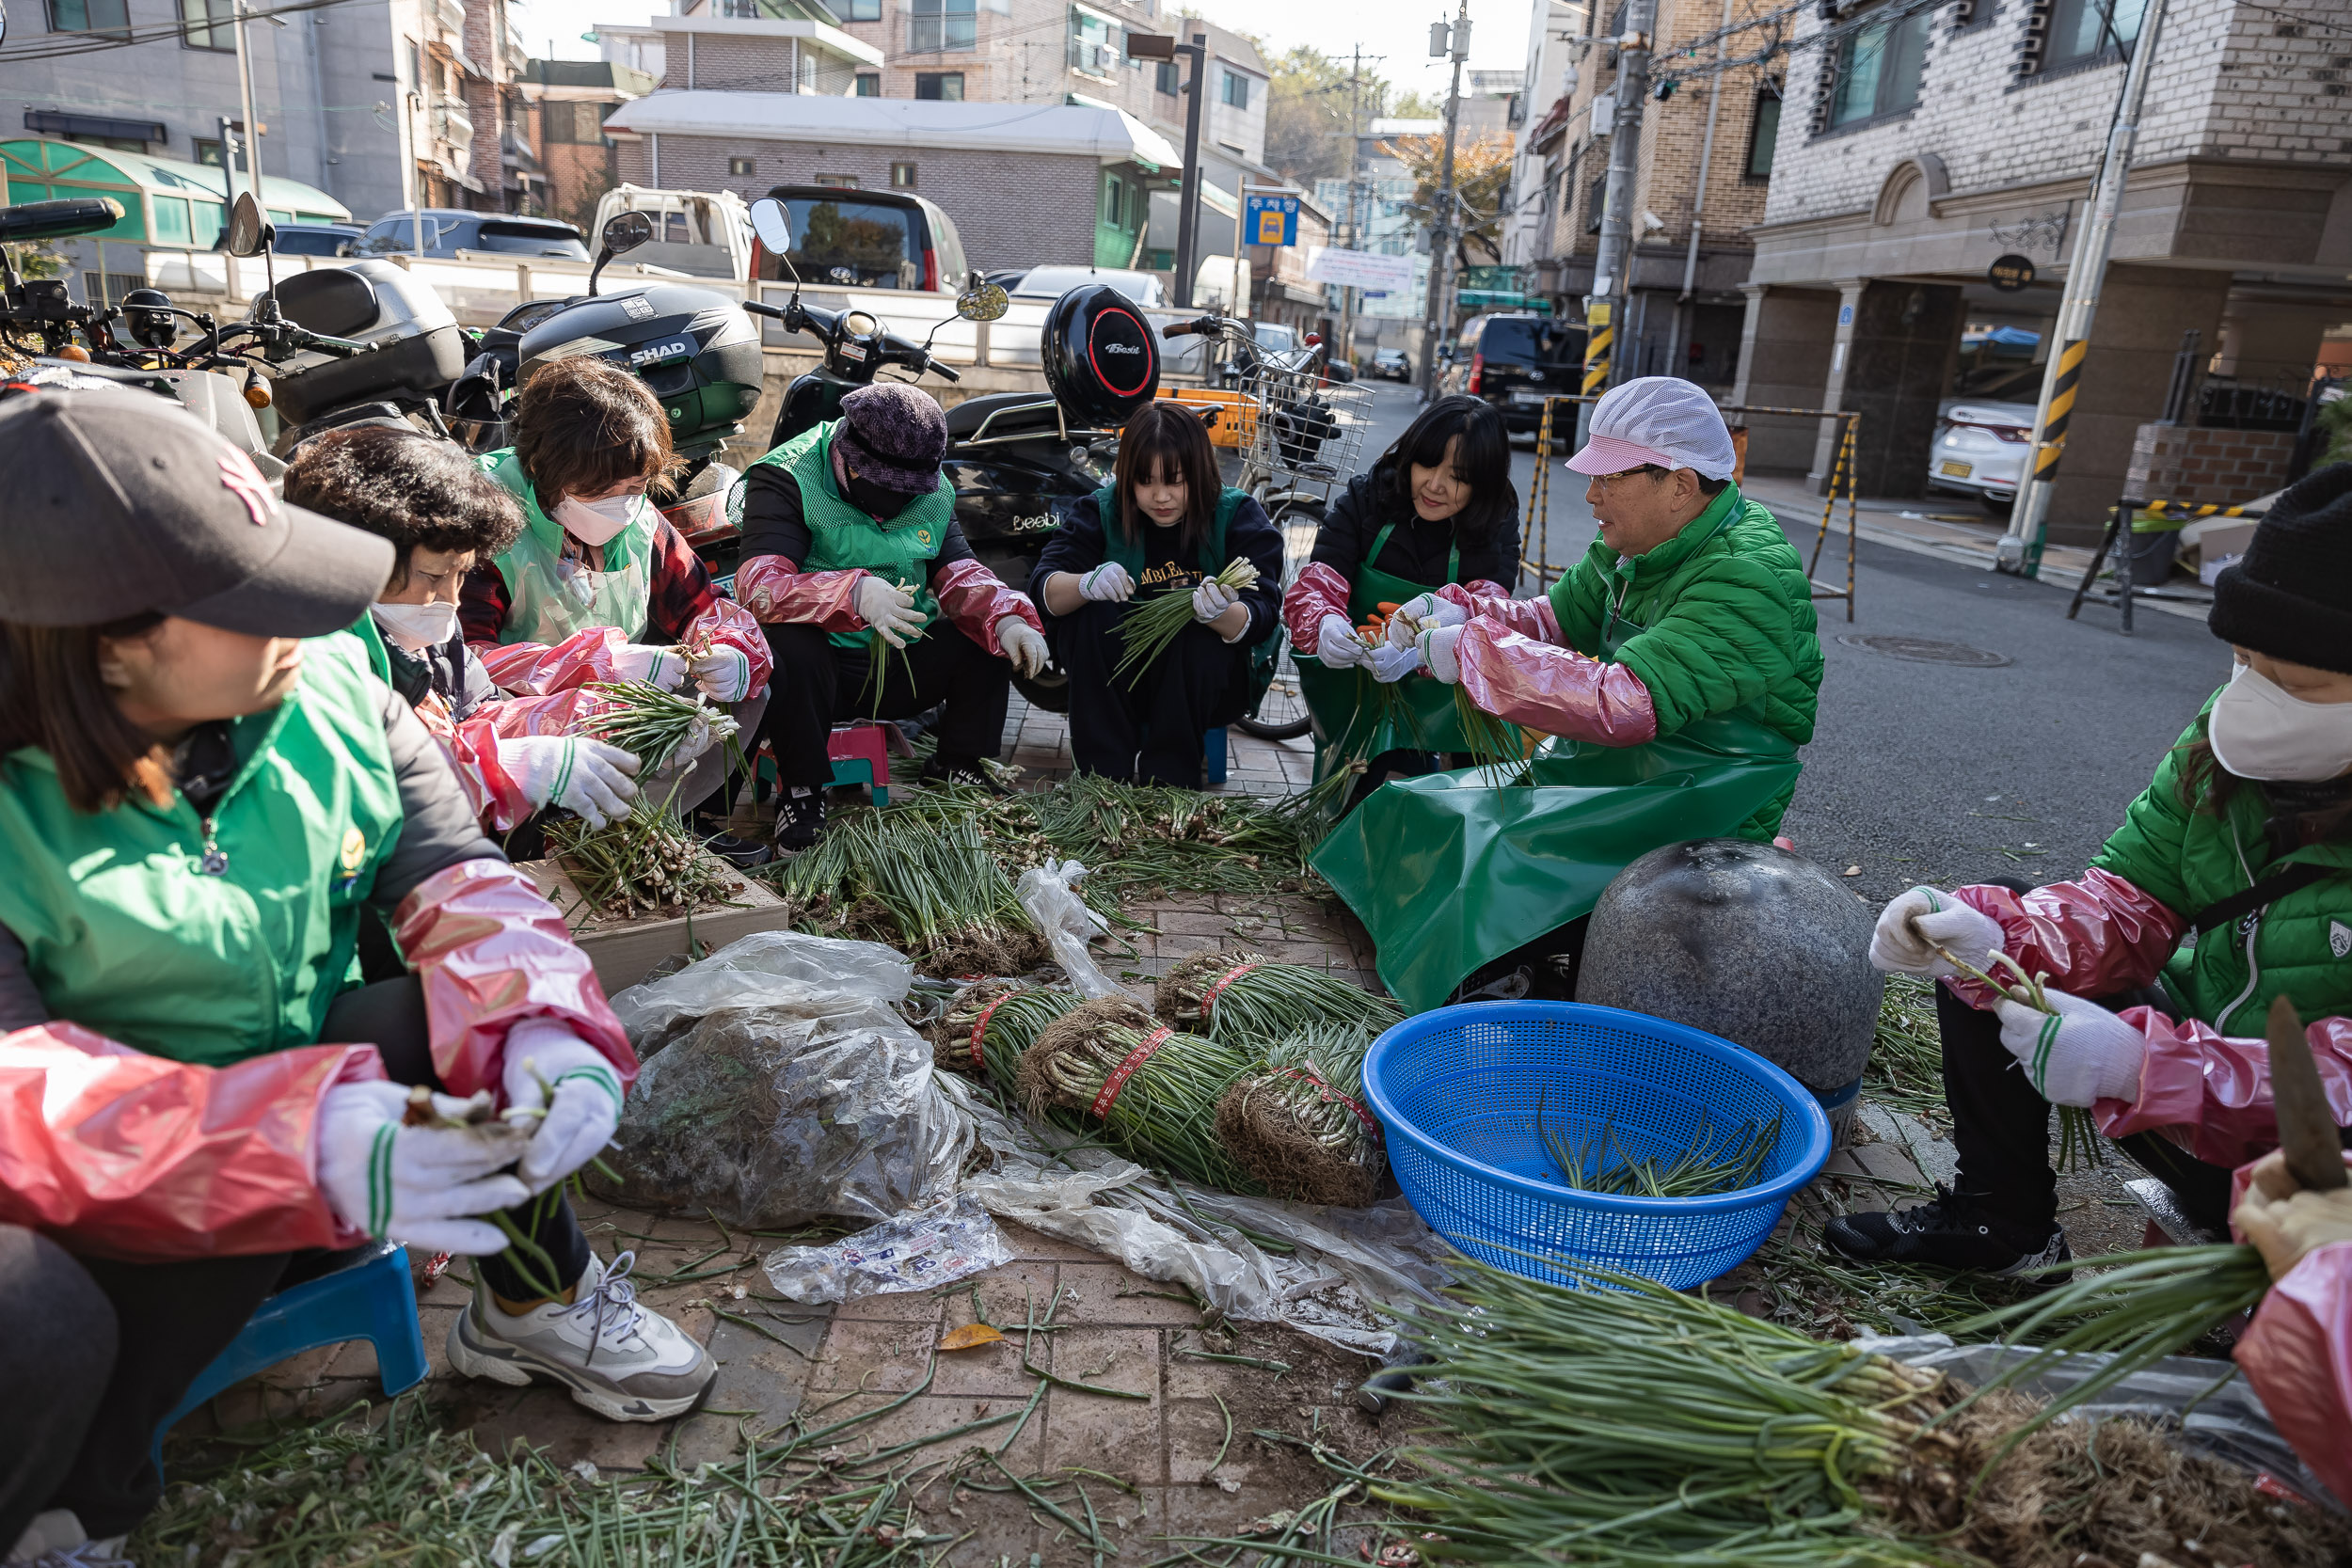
(1979, 451)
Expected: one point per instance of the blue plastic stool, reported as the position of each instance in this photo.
(1212, 751)
(370, 1298)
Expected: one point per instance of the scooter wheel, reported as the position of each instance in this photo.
(1049, 691)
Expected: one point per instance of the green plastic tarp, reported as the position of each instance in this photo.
(1448, 872)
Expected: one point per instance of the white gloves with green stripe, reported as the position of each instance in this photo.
(421, 1185)
(581, 775)
(2078, 1055)
(1915, 925)
(547, 1066)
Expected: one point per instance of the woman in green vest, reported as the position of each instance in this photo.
(202, 788)
(1164, 525)
(1438, 508)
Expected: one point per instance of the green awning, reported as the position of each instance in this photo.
(164, 201)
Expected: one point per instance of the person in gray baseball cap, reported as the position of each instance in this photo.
(203, 792)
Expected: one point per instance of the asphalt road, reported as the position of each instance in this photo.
(1947, 773)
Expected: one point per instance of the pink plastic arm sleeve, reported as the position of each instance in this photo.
(142, 1158)
(1528, 617)
(2210, 1093)
(976, 598)
(2298, 1357)
(1552, 688)
(535, 670)
(491, 952)
(2093, 937)
(1479, 588)
(1320, 590)
(473, 756)
(726, 624)
(774, 589)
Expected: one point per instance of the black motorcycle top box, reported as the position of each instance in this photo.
(1102, 361)
(419, 349)
(695, 348)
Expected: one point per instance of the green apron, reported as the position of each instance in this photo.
(550, 598)
(1449, 873)
(1351, 722)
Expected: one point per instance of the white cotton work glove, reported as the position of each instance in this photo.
(1436, 647)
(2286, 1220)
(543, 1054)
(1211, 600)
(1913, 925)
(642, 661)
(1422, 612)
(419, 1185)
(1023, 644)
(1106, 584)
(2079, 1054)
(586, 777)
(888, 609)
(1393, 665)
(1336, 643)
(723, 673)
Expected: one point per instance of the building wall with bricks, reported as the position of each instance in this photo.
(2207, 468)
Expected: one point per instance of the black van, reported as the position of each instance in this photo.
(1514, 359)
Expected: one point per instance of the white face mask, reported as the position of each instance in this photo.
(2259, 731)
(418, 626)
(598, 522)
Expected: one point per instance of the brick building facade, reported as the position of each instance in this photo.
(565, 103)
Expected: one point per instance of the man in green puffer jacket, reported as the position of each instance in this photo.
(1691, 606)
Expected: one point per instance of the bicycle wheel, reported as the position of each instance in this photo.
(1281, 713)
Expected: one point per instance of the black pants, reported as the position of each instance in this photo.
(1148, 725)
(99, 1350)
(817, 684)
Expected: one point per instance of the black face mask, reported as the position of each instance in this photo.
(875, 500)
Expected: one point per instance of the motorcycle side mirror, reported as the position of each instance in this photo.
(983, 302)
(622, 232)
(249, 232)
(772, 224)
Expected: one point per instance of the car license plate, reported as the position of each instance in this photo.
(1959, 470)
(1529, 397)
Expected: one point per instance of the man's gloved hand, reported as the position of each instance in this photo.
(1393, 665)
(724, 673)
(1915, 924)
(583, 776)
(543, 1055)
(2077, 1055)
(1422, 612)
(1436, 646)
(1213, 599)
(1336, 645)
(1021, 644)
(642, 661)
(2285, 1220)
(421, 1185)
(888, 609)
(1106, 584)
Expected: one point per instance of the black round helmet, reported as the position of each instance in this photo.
(1102, 361)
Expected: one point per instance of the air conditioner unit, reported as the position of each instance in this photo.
(1106, 59)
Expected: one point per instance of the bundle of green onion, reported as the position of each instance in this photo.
(1599, 1162)
(1153, 1091)
(1140, 837)
(989, 1025)
(1152, 624)
(653, 723)
(1248, 999)
(1298, 1124)
(928, 885)
(646, 863)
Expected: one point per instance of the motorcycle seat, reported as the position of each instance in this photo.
(1015, 411)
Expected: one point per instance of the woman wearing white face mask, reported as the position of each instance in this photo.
(514, 757)
(2244, 838)
(598, 586)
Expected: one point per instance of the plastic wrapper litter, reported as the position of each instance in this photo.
(1049, 893)
(935, 1245)
(781, 1087)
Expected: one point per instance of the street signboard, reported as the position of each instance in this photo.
(2009, 273)
(1360, 269)
(1270, 219)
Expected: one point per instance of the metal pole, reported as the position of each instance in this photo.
(2019, 548)
(1235, 305)
(1354, 239)
(1188, 199)
(1441, 232)
(245, 90)
(1617, 228)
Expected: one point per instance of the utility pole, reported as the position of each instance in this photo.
(1354, 238)
(1441, 232)
(1188, 199)
(252, 137)
(2020, 549)
(1604, 307)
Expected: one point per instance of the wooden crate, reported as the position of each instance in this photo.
(624, 950)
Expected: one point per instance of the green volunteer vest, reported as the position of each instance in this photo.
(126, 932)
(1129, 552)
(844, 538)
(549, 604)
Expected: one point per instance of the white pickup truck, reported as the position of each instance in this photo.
(701, 233)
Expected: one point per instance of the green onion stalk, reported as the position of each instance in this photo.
(1598, 1163)
(1249, 1000)
(645, 864)
(1497, 747)
(1299, 1125)
(1152, 1090)
(1005, 1018)
(878, 649)
(928, 884)
(2079, 1144)
(1139, 839)
(1155, 622)
(652, 723)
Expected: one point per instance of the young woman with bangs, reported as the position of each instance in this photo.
(1164, 525)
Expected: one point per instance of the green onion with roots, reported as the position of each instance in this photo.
(1152, 625)
(1005, 1018)
(653, 723)
(646, 863)
(1298, 1124)
(1248, 999)
(1154, 1091)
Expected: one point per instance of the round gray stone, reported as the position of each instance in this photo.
(1748, 942)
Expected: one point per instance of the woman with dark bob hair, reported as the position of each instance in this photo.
(1163, 525)
(600, 586)
(1437, 508)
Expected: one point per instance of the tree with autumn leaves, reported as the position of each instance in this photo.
(1482, 182)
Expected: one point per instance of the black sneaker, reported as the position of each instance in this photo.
(1953, 1231)
(740, 853)
(966, 773)
(799, 817)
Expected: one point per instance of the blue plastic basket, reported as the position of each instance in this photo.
(1458, 1090)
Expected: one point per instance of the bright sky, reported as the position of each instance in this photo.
(1398, 29)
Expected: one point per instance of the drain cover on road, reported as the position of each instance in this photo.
(1926, 650)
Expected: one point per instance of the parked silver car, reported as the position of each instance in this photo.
(1979, 451)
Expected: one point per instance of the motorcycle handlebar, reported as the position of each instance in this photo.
(342, 348)
(1205, 327)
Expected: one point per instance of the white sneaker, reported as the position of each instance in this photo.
(624, 1361)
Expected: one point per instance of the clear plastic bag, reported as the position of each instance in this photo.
(1048, 894)
(813, 975)
(933, 1246)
